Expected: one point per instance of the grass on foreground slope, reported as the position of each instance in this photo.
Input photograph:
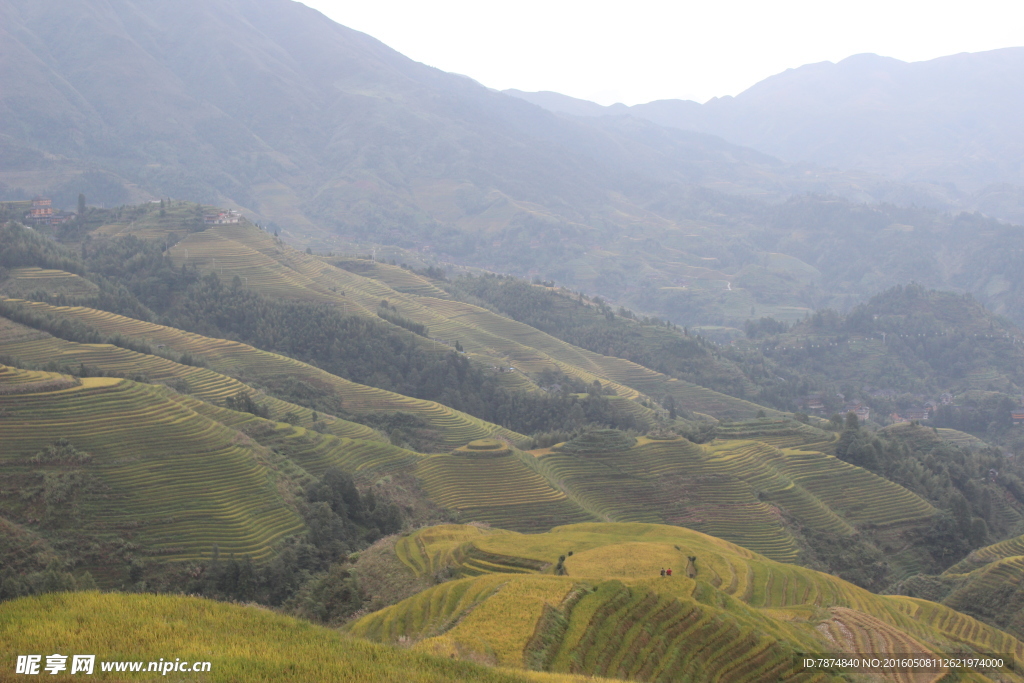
(242, 644)
(588, 598)
(271, 370)
(733, 489)
(158, 472)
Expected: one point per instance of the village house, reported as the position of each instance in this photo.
(917, 414)
(43, 213)
(1017, 416)
(860, 409)
(813, 403)
(222, 217)
(42, 208)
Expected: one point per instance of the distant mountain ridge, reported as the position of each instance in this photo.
(945, 120)
(335, 141)
(271, 106)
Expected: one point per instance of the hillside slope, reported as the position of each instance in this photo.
(278, 372)
(588, 599)
(141, 465)
(277, 270)
(241, 643)
(987, 585)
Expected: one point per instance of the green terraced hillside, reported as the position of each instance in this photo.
(781, 433)
(276, 270)
(988, 584)
(919, 435)
(39, 348)
(588, 599)
(160, 474)
(501, 489)
(735, 490)
(23, 281)
(111, 470)
(262, 368)
(738, 489)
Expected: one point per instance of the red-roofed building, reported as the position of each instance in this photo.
(42, 213)
(42, 209)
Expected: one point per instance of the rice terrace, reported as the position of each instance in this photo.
(320, 362)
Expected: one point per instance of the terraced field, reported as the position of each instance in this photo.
(993, 593)
(960, 438)
(857, 495)
(780, 433)
(502, 491)
(923, 437)
(15, 381)
(162, 474)
(399, 279)
(311, 451)
(733, 490)
(22, 281)
(245, 251)
(243, 644)
(729, 614)
(277, 270)
(262, 368)
(40, 348)
(1013, 547)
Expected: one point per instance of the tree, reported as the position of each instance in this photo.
(852, 423)
(669, 403)
(81, 205)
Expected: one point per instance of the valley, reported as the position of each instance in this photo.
(210, 387)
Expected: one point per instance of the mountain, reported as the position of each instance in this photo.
(333, 140)
(948, 121)
(271, 106)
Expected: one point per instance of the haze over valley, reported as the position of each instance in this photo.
(353, 367)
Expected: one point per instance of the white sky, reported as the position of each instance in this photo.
(649, 49)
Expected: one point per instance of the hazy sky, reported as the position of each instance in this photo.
(646, 50)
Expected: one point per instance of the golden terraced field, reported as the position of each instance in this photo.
(243, 644)
(729, 615)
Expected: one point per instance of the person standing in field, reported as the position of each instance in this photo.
(663, 572)
(668, 572)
